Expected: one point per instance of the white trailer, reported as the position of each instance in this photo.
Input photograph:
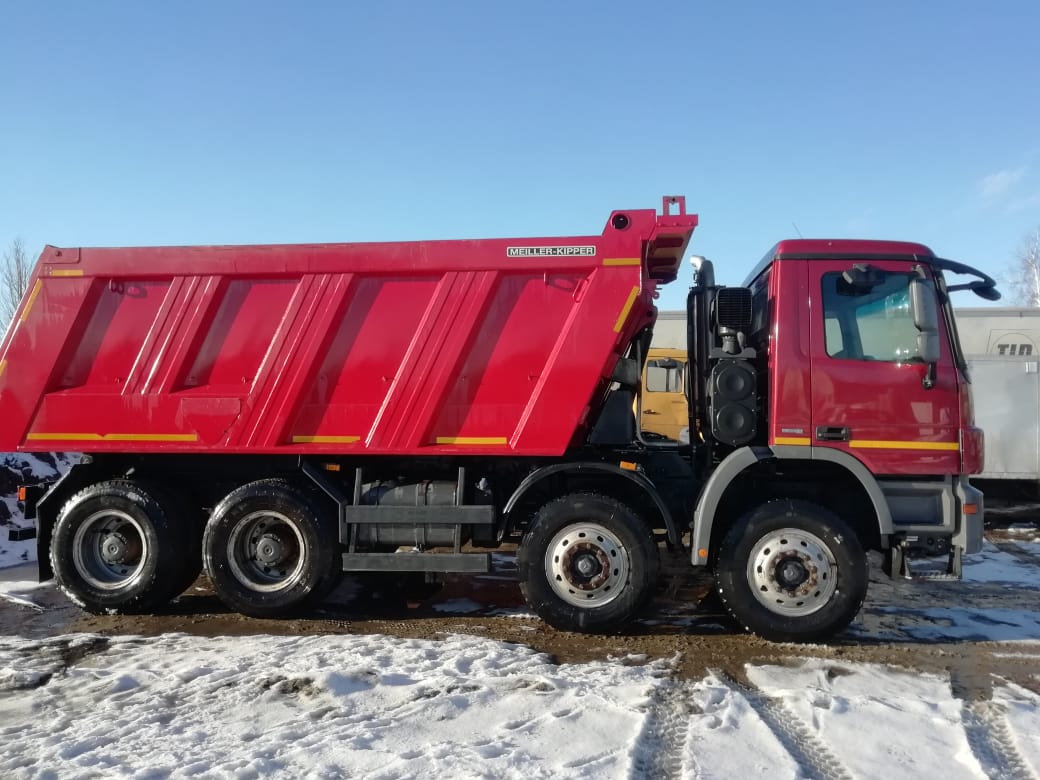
(1002, 348)
(999, 332)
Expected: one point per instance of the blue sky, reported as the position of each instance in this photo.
(252, 122)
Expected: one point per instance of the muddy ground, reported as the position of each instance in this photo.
(920, 625)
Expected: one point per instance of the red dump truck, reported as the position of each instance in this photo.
(279, 415)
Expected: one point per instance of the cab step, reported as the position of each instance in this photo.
(898, 563)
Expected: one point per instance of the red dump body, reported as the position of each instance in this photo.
(500, 346)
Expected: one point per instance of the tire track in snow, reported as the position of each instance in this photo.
(990, 740)
(660, 747)
(814, 758)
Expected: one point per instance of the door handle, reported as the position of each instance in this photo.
(827, 433)
(650, 411)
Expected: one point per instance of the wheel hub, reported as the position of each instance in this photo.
(792, 572)
(110, 549)
(266, 551)
(115, 548)
(587, 565)
(270, 550)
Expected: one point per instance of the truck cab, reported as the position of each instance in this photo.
(842, 387)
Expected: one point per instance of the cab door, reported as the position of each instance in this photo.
(873, 395)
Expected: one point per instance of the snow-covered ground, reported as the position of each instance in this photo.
(374, 706)
(371, 706)
(84, 705)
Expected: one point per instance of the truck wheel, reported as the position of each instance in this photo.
(189, 525)
(115, 548)
(587, 563)
(792, 571)
(268, 550)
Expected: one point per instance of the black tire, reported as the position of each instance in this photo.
(269, 550)
(792, 571)
(115, 548)
(189, 523)
(604, 584)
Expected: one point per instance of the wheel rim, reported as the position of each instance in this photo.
(109, 550)
(587, 565)
(792, 572)
(266, 552)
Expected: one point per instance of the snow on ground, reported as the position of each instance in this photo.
(994, 565)
(319, 706)
(1001, 602)
(383, 707)
(371, 706)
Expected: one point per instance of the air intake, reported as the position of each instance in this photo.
(733, 308)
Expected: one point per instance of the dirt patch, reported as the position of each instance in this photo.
(685, 625)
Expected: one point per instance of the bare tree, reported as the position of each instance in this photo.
(14, 277)
(1024, 276)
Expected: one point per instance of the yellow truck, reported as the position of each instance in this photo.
(665, 410)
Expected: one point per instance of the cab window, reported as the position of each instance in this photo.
(664, 376)
(869, 322)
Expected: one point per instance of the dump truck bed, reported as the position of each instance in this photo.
(501, 346)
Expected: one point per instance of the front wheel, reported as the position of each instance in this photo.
(792, 571)
(587, 563)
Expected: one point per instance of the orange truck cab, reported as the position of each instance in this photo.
(664, 410)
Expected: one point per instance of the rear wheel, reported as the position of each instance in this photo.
(792, 571)
(189, 524)
(587, 563)
(269, 550)
(117, 548)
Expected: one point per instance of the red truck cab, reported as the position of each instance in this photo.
(862, 396)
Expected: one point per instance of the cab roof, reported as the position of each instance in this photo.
(839, 249)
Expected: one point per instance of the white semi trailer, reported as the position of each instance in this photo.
(1002, 348)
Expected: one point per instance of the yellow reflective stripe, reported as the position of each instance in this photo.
(616, 261)
(32, 299)
(801, 441)
(66, 272)
(112, 437)
(867, 444)
(3, 366)
(626, 309)
(472, 440)
(325, 439)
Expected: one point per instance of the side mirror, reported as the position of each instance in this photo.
(926, 320)
(928, 347)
